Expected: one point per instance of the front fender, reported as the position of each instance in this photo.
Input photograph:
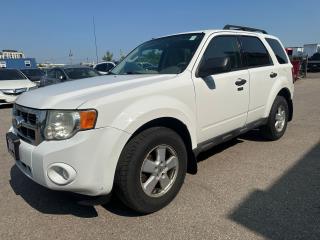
(150, 108)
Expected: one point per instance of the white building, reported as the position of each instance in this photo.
(11, 54)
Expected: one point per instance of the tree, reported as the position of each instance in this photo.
(108, 56)
(122, 55)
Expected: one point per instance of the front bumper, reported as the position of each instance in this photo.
(7, 99)
(93, 155)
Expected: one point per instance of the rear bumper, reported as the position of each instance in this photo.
(90, 157)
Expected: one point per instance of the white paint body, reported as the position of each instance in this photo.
(7, 85)
(125, 103)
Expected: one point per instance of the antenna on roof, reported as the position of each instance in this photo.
(243, 28)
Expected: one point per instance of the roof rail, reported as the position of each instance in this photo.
(243, 28)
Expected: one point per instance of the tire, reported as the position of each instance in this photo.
(273, 130)
(136, 172)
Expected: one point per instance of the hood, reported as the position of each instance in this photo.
(72, 94)
(16, 84)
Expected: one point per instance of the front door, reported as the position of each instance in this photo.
(222, 98)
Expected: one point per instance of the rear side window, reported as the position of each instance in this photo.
(278, 50)
(224, 47)
(254, 51)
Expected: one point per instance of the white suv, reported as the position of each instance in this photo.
(137, 130)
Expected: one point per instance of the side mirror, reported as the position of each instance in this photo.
(214, 66)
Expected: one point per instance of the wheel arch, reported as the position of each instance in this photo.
(280, 91)
(284, 92)
(180, 128)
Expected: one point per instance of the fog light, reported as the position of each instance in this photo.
(61, 173)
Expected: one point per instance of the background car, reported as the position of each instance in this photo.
(104, 67)
(12, 84)
(67, 73)
(34, 74)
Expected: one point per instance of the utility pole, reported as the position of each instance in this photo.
(95, 39)
(70, 56)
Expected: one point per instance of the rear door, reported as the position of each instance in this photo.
(222, 105)
(262, 75)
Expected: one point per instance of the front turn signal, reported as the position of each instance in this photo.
(88, 119)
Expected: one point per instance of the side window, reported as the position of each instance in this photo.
(109, 67)
(51, 73)
(278, 50)
(255, 52)
(220, 49)
(102, 67)
(60, 75)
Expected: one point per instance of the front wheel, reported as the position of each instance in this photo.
(151, 169)
(277, 120)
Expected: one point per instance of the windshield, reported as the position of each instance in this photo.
(33, 72)
(11, 74)
(168, 55)
(78, 73)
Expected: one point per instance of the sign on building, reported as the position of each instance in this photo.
(3, 64)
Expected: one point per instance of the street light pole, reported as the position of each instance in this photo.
(95, 38)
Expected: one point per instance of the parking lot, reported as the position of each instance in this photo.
(247, 188)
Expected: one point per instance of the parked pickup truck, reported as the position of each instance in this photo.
(314, 62)
(137, 130)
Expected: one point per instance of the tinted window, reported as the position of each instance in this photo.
(33, 72)
(221, 48)
(78, 73)
(255, 52)
(103, 67)
(51, 73)
(11, 74)
(278, 50)
(60, 75)
(168, 55)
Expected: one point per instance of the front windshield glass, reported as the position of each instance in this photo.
(168, 55)
(78, 73)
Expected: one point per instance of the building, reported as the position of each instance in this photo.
(11, 54)
(16, 59)
(20, 63)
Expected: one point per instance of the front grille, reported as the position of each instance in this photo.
(28, 123)
(14, 92)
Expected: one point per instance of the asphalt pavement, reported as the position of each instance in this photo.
(247, 188)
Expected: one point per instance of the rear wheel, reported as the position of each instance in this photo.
(151, 169)
(277, 120)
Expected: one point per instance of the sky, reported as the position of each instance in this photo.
(48, 30)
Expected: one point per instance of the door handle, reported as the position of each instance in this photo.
(273, 74)
(240, 82)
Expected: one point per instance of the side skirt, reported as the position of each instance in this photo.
(228, 136)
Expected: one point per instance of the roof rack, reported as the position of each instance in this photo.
(243, 28)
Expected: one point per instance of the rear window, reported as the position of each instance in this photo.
(255, 53)
(11, 74)
(278, 50)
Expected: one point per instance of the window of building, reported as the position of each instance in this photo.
(27, 63)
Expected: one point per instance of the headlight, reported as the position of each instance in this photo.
(63, 124)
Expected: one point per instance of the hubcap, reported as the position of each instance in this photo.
(159, 171)
(280, 119)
